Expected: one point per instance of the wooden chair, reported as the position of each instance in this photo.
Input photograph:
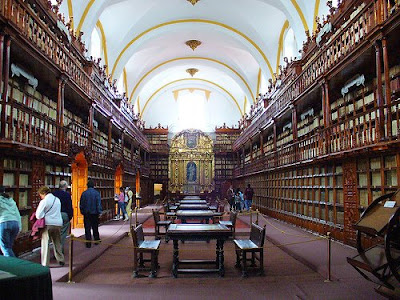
(142, 246)
(158, 223)
(231, 223)
(254, 245)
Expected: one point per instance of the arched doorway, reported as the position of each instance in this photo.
(79, 184)
(137, 189)
(118, 183)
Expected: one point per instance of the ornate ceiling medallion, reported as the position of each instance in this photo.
(193, 44)
(193, 2)
(192, 71)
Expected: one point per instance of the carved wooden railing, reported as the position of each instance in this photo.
(349, 134)
(78, 134)
(341, 44)
(159, 148)
(100, 155)
(117, 153)
(19, 14)
(33, 128)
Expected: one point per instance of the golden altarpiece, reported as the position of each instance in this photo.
(191, 163)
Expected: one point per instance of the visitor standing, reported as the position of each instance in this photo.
(49, 208)
(90, 206)
(248, 197)
(10, 222)
(121, 204)
(66, 209)
(231, 197)
(129, 198)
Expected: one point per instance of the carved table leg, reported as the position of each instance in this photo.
(217, 255)
(221, 258)
(175, 262)
(244, 265)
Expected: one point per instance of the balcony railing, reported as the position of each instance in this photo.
(348, 135)
(339, 46)
(31, 128)
(67, 58)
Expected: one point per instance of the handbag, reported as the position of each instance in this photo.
(38, 224)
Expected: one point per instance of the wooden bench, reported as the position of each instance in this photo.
(231, 223)
(159, 223)
(142, 246)
(254, 245)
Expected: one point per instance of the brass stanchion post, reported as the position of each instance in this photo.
(251, 217)
(328, 234)
(71, 257)
(136, 219)
(257, 217)
(130, 223)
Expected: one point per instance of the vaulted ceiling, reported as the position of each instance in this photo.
(143, 45)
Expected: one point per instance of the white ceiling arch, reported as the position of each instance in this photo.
(207, 74)
(191, 83)
(197, 62)
(144, 40)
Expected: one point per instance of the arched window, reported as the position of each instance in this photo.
(95, 47)
(290, 45)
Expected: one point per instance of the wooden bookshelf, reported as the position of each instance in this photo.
(104, 183)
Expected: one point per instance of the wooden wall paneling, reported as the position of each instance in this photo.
(38, 179)
(388, 92)
(6, 73)
(379, 92)
(351, 201)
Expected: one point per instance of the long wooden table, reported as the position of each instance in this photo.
(202, 215)
(198, 232)
(193, 206)
(199, 201)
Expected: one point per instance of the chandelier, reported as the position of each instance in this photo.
(193, 44)
(193, 2)
(192, 71)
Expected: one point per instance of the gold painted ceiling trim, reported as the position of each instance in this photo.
(71, 14)
(125, 82)
(280, 45)
(258, 82)
(316, 10)
(191, 79)
(191, 90)
(301, 15)
(103, 43)
(194, 21)
(138, 105)
(84, 15)
(187, 58)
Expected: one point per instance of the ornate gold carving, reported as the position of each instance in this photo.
(193, 2)
(192, 159)
(193, 44)
(192, 71)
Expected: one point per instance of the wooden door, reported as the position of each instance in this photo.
(79, 185)
(137, 189)
(118, 183)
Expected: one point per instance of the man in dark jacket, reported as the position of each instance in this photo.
(90, 206)
(66, 209)
(248, 197)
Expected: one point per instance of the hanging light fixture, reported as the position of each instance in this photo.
(192, 71)
(193, 2)
(193, 44)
